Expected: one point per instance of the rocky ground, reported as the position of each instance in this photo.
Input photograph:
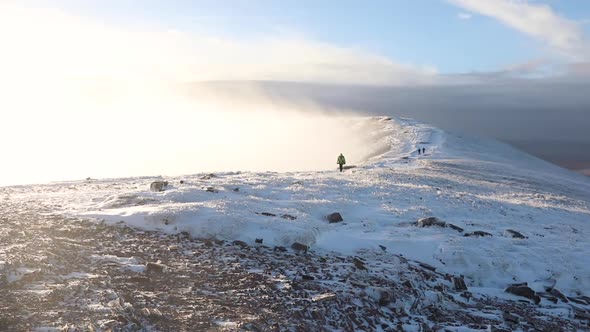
(60, 274)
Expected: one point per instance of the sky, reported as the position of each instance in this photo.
(85, 81)
(448, 36)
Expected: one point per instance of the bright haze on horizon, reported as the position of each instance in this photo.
(113, 88)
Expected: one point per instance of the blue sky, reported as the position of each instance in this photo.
(439, 33)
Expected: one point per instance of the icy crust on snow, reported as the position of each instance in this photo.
(476, 184)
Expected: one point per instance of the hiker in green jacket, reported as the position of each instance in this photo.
(341, 161)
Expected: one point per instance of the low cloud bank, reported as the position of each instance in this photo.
(150, 132)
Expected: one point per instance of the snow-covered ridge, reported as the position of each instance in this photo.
(475, 184)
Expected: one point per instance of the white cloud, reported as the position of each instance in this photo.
(464, 16)
(51, 44)
(536, 20)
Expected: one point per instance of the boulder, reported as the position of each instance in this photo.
(211, 190)
(581, 314)
(558, 295)
(334, 217)
(299, 247)
(268, 214)
(288, 217)
(258, 241)
(431, 221)
(478, 234)
(158, 185)
(579, 300)
(155, 267)
(280, 248)
(524, 291)
(459, 283)
(240, 243)
(427, 266)
(510, 318)
(514, 234)
(385, 298)
(457, 228)
(359, 264)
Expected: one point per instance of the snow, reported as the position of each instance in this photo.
(473, 183)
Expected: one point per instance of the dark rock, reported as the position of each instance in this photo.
(478, 233)
(236, 189)
(459, 283)
(548, 296)
(385, 298)
(518, 284)
(240, 243)
(280, 248)
(307, 277)
(268, 214)
(359, 264)
(510, 318)
(425, 327)
(581, 314)
(558, 295)
(384, 248)
(578, 300)
(430, 221)
(158, 185)
(427, 266)
(288, 216)
(208, 176)
(466, 295)
(258, 240)
(155, 267)
(299, 247)
(514, 234)
(184, 235)
(524, 291)
(211, 190)
(181, 181)
(457, 228)
(408, 284)
(334, 217)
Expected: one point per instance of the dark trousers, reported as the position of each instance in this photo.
(341, 167)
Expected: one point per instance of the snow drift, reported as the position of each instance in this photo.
(474, 184)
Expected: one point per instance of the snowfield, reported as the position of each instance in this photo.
(474, 184)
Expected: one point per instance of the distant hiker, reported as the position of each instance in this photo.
(341, 161)
(418, 151)
(423, 150)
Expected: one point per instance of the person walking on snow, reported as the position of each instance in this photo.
(419, 151)
(423, 150)
(341, 161)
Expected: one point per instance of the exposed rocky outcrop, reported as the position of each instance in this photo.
(514, 234)
(334, 217)
(435, 222)
(478, 234)
(299, 247)
(524, 291)
(77, 275)
(158, 186)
